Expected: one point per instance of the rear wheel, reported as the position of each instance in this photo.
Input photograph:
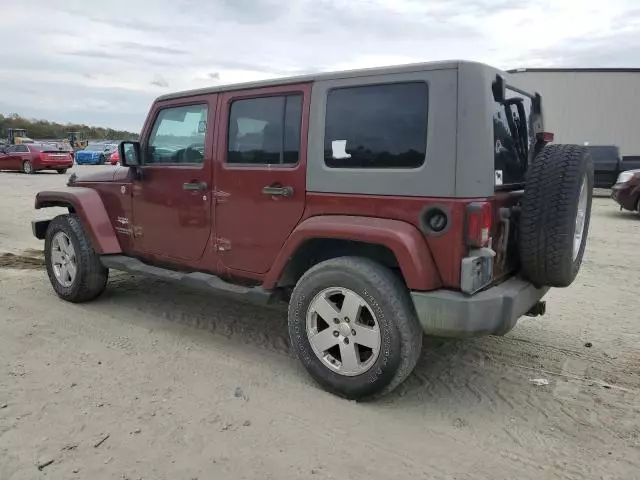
(61, 170)
(27, 167)
(556, 209)
(353, 326)
(74, 268)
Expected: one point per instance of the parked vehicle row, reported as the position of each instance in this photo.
(95, 153)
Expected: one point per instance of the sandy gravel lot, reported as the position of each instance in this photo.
(155, 382)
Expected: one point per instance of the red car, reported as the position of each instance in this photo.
(34, 157)
(114, 158)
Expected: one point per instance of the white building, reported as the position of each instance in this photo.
(600, 106)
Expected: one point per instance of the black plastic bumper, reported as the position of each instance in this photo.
(495, 311)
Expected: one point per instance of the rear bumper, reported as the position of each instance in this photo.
(495, 311)
(87, 160)
(54, 165)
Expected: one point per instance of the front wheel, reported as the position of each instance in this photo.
(353, 326)
(75, 271)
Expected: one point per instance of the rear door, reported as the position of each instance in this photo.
(260, 173)
(172, 195)
(6, 158)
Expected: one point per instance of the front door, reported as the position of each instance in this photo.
(172, 196)
(260, 176)
(6, 158)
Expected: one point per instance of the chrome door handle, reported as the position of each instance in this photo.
(195, 186)
(278, 191)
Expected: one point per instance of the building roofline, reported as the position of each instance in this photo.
(577, 70)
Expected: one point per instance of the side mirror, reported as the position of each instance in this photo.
(129, 154)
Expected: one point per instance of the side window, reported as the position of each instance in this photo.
(178, 136)
(11, 149)
(265, 131)
(376, 126)
(22, 149)
(512, 140)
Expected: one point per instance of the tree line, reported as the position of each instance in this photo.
(45, 130)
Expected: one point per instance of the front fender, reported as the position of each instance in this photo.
(87, 204)
(403, 239)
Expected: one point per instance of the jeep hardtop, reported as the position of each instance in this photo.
(381, 204)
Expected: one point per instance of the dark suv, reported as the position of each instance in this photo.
(380, 204)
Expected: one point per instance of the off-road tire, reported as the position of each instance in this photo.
(61, 171)
(91, 277)
(389, 299)
(548, 214)
(27, 167)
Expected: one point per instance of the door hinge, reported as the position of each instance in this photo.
(223, 244)
(219, 196)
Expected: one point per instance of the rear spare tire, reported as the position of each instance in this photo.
(556, 208)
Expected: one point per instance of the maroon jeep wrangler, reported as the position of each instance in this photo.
(380, 204)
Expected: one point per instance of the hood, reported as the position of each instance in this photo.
(115, 174)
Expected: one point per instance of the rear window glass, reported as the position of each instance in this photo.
(376, 126)
(512, 132)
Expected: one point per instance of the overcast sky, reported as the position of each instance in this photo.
(102, 62)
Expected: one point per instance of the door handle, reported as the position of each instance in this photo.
(278, 191)
(195, 186)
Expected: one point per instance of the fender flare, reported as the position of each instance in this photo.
(403, 239)
(87, 204)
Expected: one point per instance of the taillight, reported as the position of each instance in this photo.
(479, 218)
(545, 137)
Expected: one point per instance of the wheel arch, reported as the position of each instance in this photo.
(87, 205)
(393, 243)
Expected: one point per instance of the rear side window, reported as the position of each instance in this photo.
(265, 131)
(512, 138)
(376, 126)
(22, 148)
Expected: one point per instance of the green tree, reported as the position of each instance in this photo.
(45, 130)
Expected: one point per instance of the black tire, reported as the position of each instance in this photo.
(101, 160)
(388, 299)
(91, 277)
(27, 167)
(548, 216)
(61, 171)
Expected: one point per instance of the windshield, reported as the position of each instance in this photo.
(513, 135)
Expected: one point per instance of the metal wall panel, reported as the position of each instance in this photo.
(602, 108)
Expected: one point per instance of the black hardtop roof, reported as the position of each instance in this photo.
(412, 67)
